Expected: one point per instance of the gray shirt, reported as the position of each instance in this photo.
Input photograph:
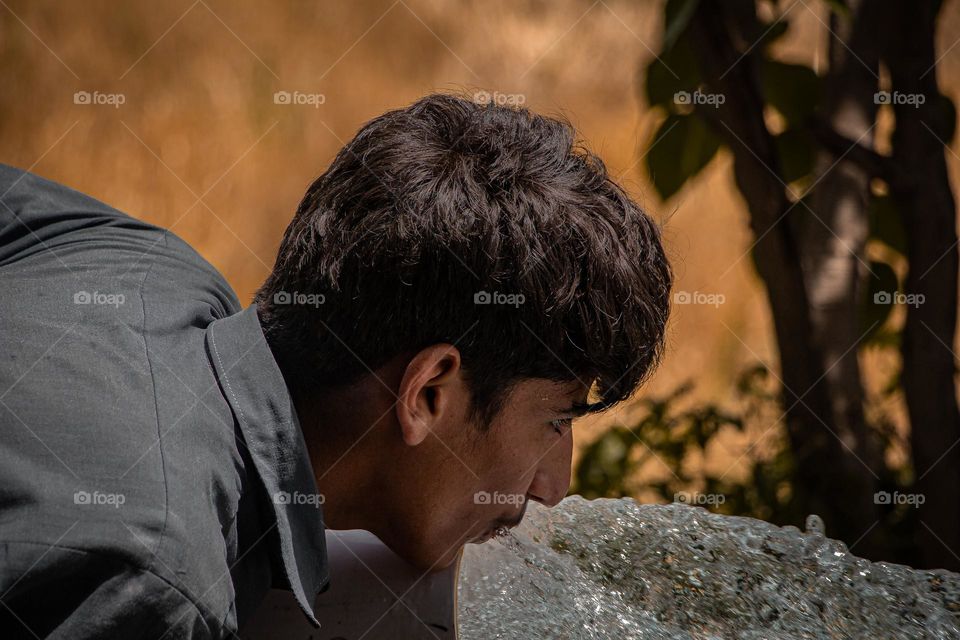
(150, 456)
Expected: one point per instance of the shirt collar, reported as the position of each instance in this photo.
(254, 386)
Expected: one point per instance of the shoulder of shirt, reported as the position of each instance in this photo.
(152, 247)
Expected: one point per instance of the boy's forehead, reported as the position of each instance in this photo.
(541, 391)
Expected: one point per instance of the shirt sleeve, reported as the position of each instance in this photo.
(67, 593)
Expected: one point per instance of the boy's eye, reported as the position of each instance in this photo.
(561, 423)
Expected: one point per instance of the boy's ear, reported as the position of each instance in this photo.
(427, 390)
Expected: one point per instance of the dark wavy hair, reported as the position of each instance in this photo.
(486, 226)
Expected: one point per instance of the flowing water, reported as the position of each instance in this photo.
(614, 569)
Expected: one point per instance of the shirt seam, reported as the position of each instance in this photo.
(156, 409)
(213, 341)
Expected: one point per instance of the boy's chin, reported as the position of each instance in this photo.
(428, 560)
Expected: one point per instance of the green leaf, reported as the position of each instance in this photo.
(752, 378)
(886, 224)
(792, 89)
(797, 154)
(673, 71)
(676, 18)
(682, 146)
(887, 339)
(604, 466)
(877, 304)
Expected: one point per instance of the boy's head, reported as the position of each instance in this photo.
(460, 280)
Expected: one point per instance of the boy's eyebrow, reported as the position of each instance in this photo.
(576, 410)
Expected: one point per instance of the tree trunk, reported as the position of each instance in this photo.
(927, 207)
(830, 479)
(833, 239)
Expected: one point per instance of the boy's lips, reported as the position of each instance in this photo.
(502, 525)
(483, 537)
(495, 530)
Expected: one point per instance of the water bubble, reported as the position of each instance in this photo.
(815, 524)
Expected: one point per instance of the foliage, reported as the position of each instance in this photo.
(671, 432)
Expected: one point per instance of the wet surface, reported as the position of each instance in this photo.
(616, 569)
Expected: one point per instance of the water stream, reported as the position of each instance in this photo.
(614, 569)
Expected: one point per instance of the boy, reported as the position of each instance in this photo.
(461, 283)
